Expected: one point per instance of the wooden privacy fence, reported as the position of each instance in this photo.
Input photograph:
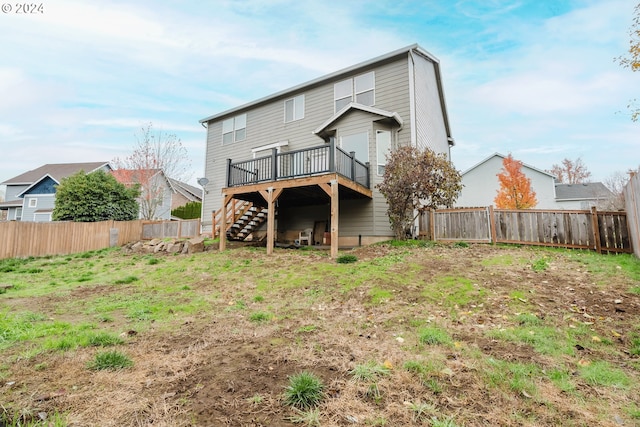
(175, 229)
(632, 204)
(22, 238)
(599, 231)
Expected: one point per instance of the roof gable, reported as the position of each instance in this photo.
(57, 171)
(502, 156)
(45, 185)
(352, 106)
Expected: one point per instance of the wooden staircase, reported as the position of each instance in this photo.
(242, 219)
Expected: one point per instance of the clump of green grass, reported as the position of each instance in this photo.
(153, 261)
(420, 410)
(310, 418)
(540, 264)
(110, 360)
(460, 244)
(369, 371)
(305, 390)
(127, 280)
(260, 316)
(528, 319)
(346, 259)
(454, 291)
(103, 339)
(601, 373)
(432, 335)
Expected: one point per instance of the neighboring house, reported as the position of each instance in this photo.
(155, 191)
(316, 151)
(480, 187)
(31, 195)
(184, 193)
(583, 196)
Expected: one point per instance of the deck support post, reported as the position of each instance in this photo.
(223, 223)
(271, 195)
(334, 218)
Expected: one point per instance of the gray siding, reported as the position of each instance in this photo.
(429, 121)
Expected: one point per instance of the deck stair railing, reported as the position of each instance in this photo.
(241, 220)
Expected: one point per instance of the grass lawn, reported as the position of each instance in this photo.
(399, 334)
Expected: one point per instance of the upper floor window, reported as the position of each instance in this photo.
(33, 202)
(234, 129)
(360, 89)
(294, 109)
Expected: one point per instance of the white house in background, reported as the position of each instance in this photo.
(31, 196)
(481, 184)
(582, 196)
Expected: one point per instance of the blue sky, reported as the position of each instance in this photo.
(533, 78)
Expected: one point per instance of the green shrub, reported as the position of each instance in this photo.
(346, 259)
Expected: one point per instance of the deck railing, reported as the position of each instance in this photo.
(294, 164)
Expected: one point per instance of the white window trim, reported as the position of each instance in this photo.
(42, 213)
(383, 161)
(269, 147)
(295, 100)
(33, 202)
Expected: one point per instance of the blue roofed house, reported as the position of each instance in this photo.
(31, 196)
(314, 153)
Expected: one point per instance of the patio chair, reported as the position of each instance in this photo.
(305, 236)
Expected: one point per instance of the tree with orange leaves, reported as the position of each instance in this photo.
(515, 188)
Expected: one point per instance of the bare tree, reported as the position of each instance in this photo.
(616, 183)
(156, 156)
(571, 172)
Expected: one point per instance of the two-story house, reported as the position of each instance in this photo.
(315, 152)
(31, 196)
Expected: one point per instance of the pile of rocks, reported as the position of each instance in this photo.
(172, 246)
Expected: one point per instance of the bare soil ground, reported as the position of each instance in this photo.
(217, 367)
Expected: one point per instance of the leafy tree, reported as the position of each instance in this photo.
(154, 152)
(515, 188)
(190, 210)
(571, 172)
(415, 180)
(632, 59)
(92, 197)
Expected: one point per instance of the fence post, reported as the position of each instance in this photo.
(595, 223)
(492, 226)
(213, 224)
(432, 224)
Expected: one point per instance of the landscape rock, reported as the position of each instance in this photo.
(173, 246)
